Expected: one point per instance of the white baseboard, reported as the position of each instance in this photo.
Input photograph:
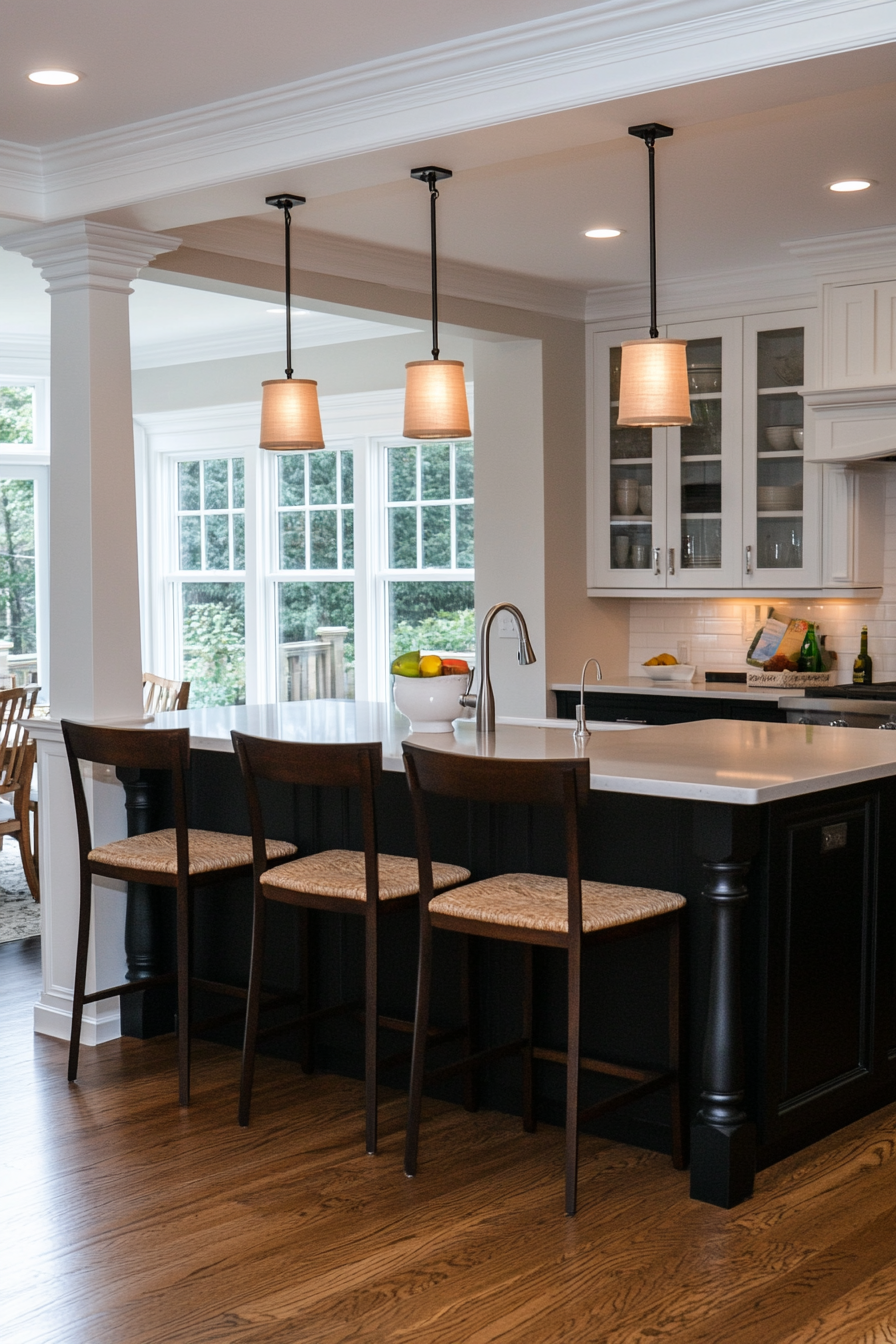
(55, 1019)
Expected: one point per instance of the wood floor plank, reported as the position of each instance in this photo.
(126, 1221)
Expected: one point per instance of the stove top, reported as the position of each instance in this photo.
(883, 690)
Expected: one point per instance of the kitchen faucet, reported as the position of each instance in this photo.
(582, 731)
(484, 700)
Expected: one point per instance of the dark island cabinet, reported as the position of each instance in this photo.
(654, 710)
(826, 1015)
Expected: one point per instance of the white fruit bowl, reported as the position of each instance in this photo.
(677, 672)
(431, 703)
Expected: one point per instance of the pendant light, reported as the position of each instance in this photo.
(290, 415)
(653, 382)
(435, 398)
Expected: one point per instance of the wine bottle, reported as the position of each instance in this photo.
(810, 654)
(863, 667)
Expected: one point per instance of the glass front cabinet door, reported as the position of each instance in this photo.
(666, 502)
(782, 493)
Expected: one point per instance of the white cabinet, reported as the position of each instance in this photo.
(860, 322)
(729, 504)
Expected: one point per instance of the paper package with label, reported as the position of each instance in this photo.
(779, 643)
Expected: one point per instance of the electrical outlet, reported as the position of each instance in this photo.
(507, 626)
(683, 651)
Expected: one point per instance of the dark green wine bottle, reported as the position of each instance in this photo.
(810, 653)
(862, 668)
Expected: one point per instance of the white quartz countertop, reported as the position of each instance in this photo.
(715, 760)
(719, 690)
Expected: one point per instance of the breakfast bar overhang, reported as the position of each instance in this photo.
(773, 832)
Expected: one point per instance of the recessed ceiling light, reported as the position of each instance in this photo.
(53, 77)
(602, 233)
(851, 184)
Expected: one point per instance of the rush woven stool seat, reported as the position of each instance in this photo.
(357, 882)
(177, 857)
(538, 910)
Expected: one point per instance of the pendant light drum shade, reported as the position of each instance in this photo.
(435, 400)
(290, 414)
(653, 384)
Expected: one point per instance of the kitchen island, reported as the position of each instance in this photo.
(771, 831)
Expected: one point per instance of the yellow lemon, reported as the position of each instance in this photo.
(431, 665)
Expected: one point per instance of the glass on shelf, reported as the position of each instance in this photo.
(705, 366)
(701, 543)
(780, 357)
(781, 543)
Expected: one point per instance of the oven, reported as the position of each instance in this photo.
(844, 706)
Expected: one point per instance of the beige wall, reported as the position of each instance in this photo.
(529, 371)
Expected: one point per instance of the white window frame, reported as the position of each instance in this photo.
(363, 422)
(24, 462)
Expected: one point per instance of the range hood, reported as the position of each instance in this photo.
(850, 424)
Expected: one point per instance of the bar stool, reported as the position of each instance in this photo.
(363, 883)
(178, 857)
(537, 911)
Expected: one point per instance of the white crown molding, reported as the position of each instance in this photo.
(234, 343)
(846, 251)
(322, 253)
(84, 254)
(614, 49)
(23, 353)
(758, 289)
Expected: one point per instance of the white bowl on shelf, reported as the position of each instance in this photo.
(779, 437)
(797, 438)
(431, 703)
(675, 672)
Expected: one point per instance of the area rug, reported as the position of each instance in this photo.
(19, 914)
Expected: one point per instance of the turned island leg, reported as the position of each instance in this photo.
(723, 1138)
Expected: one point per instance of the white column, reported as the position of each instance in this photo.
(95, 665)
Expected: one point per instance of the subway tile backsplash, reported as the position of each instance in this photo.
(718, 631)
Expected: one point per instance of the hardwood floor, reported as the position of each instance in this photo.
(123, 1221)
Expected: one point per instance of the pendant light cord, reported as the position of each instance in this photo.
(433, 197)
(287, 221)
(651, 177)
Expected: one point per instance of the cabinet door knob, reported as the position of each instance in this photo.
(671, 559)
(656, 559)
(748, 560)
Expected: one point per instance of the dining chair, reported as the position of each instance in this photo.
(363, 883)
(17, 758)
(161, 694)
(538, 910)
(180, 857)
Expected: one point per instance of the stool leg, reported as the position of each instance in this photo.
(306, 1039)
(183, 991)
(573, 1048)
(528, 1088)
(677, 1047)
(418, 1056)
(370, 1024)
(469, 1010)
(253, 1000)
(80, 976)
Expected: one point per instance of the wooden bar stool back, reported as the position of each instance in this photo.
(537, 910)
(363, 883)
(17, 757)
(178, 857)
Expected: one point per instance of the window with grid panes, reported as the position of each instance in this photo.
(429, 544)
(315, 538)
(211, 538)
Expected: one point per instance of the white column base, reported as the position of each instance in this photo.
(53, 1017)
(60, 893)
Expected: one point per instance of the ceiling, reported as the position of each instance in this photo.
(526, 100)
